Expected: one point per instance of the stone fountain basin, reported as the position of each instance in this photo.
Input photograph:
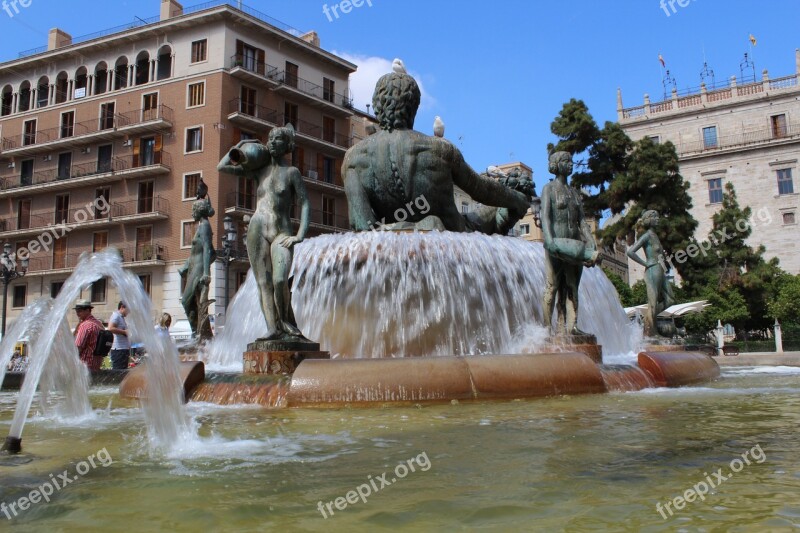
(427, 380)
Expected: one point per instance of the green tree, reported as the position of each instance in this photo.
(639, 291)
(652, 181)
(623, 289)
(604, 151)
(727, 306)
(786, 304)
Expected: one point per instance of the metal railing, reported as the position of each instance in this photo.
(252, 64)
(88, 127)
(760, 136)
(151, 205)
(312, 89)
(131, 253)
(83, 170)
(237, 105)
(318, 132)
(240, 200)
(326, 219)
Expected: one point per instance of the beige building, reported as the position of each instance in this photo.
(134, 117)
(744, 133)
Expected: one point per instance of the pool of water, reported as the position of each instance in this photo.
(587, 463)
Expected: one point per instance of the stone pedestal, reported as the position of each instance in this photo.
(280, 357)
(585, 344)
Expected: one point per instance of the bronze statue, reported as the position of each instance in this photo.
(270, 239)
(392, 168)
(659, 291)
(568, 243)
(197, 271)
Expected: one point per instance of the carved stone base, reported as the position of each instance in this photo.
(283, 345)
(278, 362)
(585, 344)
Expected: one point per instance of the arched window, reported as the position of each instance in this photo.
(7, 100)
(142, 68)
(24, 99)
(81, 83)
(62, 86)
(43, 92)
(100, 78)
(164, 63)
(121, 73)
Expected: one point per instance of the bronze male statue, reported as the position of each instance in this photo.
(659, 291)
(568, 244)
(197, 271)
(386, 172)
(270, 239)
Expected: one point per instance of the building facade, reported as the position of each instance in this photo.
(747, 134)
(104, 139)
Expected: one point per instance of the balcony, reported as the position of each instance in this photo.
(59, 223)
(237, 203)
(151, 254)
(313, 94)
(742, 141)
(87, 132)
(85, 174)
(251, 116)
(318, 137)
(316, 179)
(326, 221)
(249, 70)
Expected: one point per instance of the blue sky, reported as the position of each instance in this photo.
(498, 72)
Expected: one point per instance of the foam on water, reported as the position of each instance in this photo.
(786, 370)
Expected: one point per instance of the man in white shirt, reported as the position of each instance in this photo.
(121, 349)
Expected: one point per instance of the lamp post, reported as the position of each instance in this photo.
(228, 252)
(10, 272)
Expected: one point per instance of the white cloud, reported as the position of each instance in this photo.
(370, 69)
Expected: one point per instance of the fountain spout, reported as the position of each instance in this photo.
(12, 445)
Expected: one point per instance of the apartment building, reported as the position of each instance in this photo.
(105, 138)
(746, 132)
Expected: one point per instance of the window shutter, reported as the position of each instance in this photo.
(301, 161)
(239, 51)
(159, 145)
(320, 166)
(260, 66)
(337, 172)
(136, 145)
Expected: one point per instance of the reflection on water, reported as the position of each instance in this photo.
(587, 463)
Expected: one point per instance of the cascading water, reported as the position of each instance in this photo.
(167, 422)
(26, 327)
(388, 294)
(64, 374)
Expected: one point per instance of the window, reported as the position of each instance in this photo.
(290, 114)
(464, 207)
(144, 243)
(101, 207)
(20, 293)
(99, 291)
(194, 139)
(715, 191)
(328, 89)
(328, 211)
(26, 172)
(145, 280)
(107, 116)
(710, 137)
(190, 182)
(248, 106)
(246, 196)
(60, 253)
(62, 208)
(23, 214)
(29, 133)
(197, 94)
(64, 165)
(328, 129)
(788, 218)
(328, 172)
(785, 185)
(100, 241)
(655, 138)
(145, 201)
(150, 106)
(67, 124)
(291, 74)
(241, 278)
(187, 233)
(778, 126)
(104, 154)
(55, 288)
(199, 50)
(524, 229)
(249, 57)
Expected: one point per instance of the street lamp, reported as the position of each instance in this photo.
(228, 252)
(8, 259)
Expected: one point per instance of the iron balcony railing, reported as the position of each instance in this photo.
(149, 205)
(240, 200)
(761, 136)
(312, 89)
(131, 253)
(83, 170)
(251, 64)
(245, 107)
(104, 122)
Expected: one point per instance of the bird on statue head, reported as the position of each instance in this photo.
(438, 127)
(398, 66)
(202, 189)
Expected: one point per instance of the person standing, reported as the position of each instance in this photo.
(121, 349)
(86, 335)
